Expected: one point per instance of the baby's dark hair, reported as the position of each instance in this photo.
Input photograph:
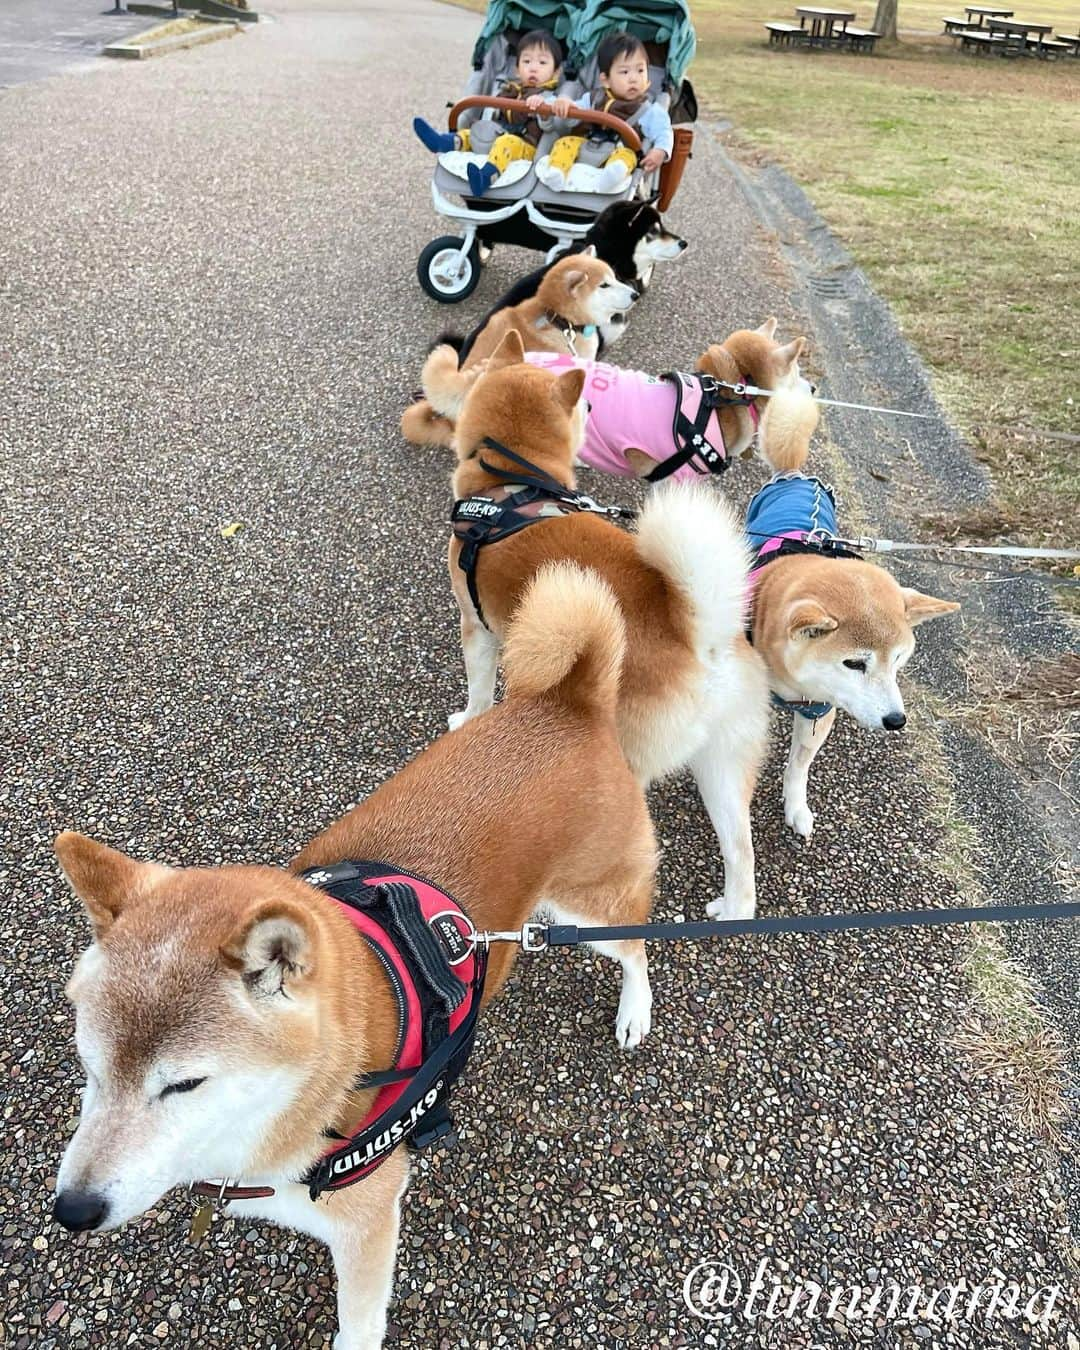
(616, 46)
(540, 37)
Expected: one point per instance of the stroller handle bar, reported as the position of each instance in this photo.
(627, 133)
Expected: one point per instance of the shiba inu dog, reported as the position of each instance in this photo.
(229, 1019)
(575, 296)
(834, 631)
(631, 236)
(693, 692)
(645, 426)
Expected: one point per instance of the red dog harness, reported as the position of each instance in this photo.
(424, 941)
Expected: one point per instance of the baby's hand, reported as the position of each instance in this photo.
(653, 159)
(563, 107)
(534, 102)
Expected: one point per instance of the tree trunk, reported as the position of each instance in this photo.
(885, 19)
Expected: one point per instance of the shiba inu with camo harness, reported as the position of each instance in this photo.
(286, 1030)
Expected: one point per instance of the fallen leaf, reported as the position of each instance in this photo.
(233, 527)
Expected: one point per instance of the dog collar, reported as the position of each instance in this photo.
(569, 330)
(802, 707)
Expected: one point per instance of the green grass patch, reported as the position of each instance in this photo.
(955, 182)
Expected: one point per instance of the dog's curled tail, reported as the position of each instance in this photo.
(445, 386)
(691, 535)
(566, 638)
(422, 425)
(787, 424)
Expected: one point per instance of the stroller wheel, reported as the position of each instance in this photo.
(445, 273)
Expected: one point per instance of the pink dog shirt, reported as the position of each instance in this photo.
(629, 409)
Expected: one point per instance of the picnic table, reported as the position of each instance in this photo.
(977, 13)
(1014, 32)
(828, 28)
(822, 21)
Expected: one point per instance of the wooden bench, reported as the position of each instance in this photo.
(784, 34)
(1049, 47)
(1073, 43)
(979, 41)
(956, 28)
(861, 39)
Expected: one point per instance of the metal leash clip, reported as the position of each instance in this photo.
(205, 1209)
(532, 937)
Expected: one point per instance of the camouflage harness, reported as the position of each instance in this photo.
(520, 500)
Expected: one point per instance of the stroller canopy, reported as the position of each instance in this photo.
(662, 21)
(556, 16)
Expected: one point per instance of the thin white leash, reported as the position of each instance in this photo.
(869, 545)
(740, 389)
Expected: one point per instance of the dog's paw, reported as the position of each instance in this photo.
(730, 908)
(459, 719)
(800, 819)
(634, 1021)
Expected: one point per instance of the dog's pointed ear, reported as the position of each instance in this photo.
(567, 389)
(509, 352)
(808, 619)
(573, 277)
(272, 948)
(768, 328)
(589, 252)
(918, 607)
(787, 355)
(641, 463)
(105, 880)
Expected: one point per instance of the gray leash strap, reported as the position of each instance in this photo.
(990, 550)
(536, 937)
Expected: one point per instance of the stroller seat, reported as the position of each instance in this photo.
(452, 175)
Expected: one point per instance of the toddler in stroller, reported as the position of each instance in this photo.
(624, 91)
(536, 78)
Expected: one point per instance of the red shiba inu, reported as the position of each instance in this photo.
(230, 1019)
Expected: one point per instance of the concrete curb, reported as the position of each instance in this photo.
(139, 48)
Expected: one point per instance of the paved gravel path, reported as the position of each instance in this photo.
(206, 270)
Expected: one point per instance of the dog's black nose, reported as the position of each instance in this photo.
(813, 389)
(634, 295)
(893, 721)
(80, 1211)
(683, 244)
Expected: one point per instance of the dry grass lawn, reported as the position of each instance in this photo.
(955, 182)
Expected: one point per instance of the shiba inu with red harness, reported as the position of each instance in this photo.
(288, 1030)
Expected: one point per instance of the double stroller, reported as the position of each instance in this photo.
(518, 208)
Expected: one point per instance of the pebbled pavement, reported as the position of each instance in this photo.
(217, 320)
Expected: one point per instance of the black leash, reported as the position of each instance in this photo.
(537, 937)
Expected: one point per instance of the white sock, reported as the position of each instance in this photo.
(612, 176)
(551, 177)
